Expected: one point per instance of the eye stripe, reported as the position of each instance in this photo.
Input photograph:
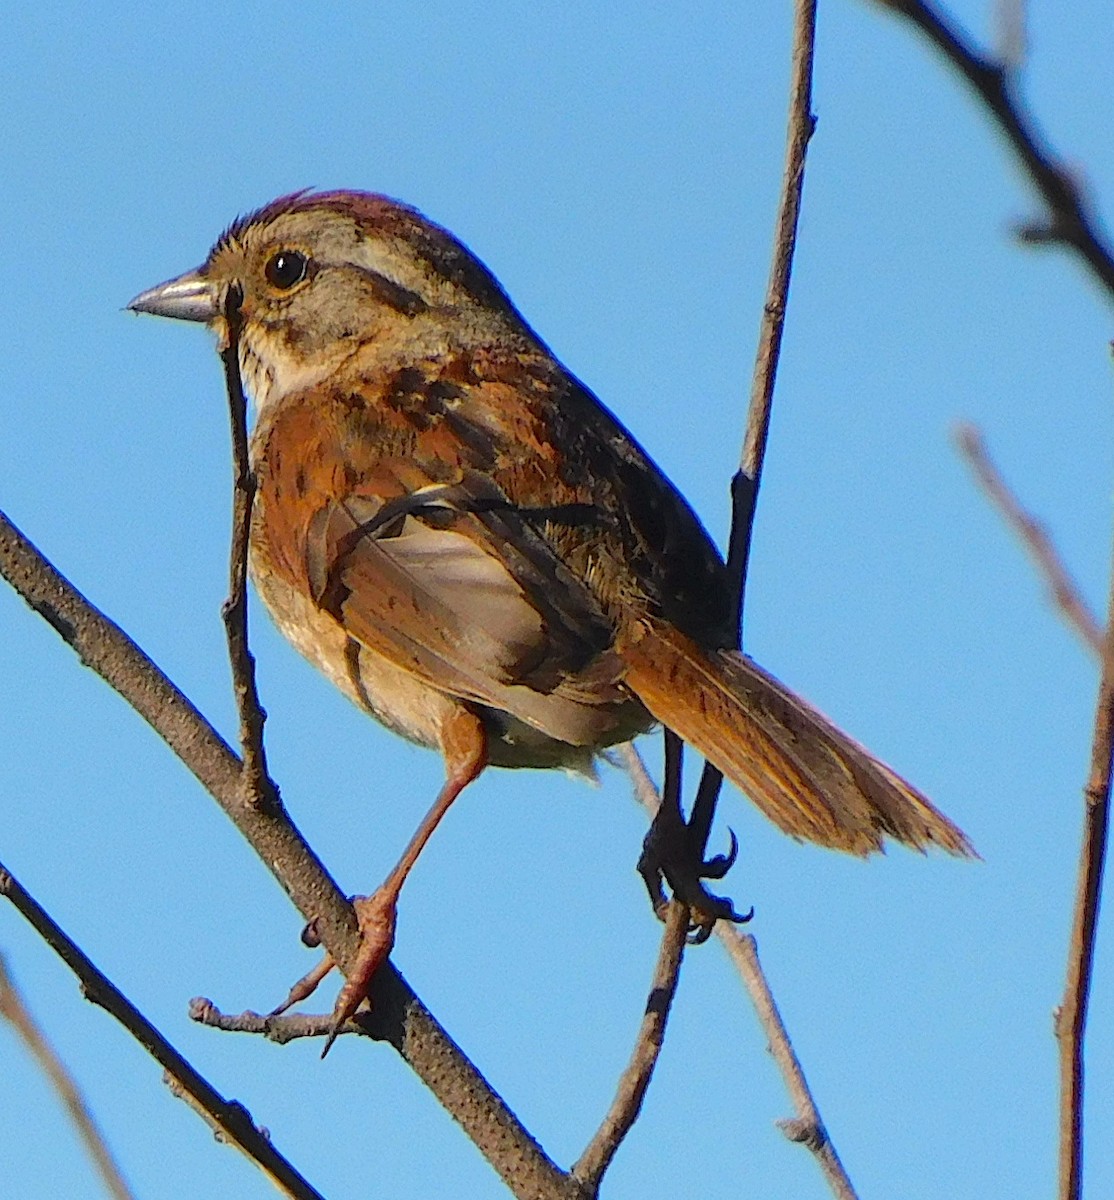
(400, 298)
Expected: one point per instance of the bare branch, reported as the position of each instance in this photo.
(1071, 1016)
(230, 1117)
(807, 1128)
(745, 484)
(624, 1110)
(286, 1027)
(18, 1015)
(1068, 220)
(259, 788)
(399, 1017)
(1033, 536)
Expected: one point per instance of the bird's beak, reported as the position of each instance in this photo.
(190, 297)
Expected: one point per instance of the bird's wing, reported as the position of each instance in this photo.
(456, 584)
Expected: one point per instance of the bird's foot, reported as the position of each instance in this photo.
(669, 854)
(375, 916)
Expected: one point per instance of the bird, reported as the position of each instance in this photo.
(476, 551)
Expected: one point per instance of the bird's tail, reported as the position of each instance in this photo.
(807, 776)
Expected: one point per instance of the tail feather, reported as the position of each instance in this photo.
(811, 779)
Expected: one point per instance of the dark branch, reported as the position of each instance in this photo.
(259, 788)
(230, 1117)
(1071, 1017)
(807, 1128)
(1068, 220)
(624, 1110)
(745, 484)
(399, 1018)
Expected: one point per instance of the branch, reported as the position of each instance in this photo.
(621, 1116)
(18, 1015)
(399, 1017)
(1071, 1016)
(1033, 536)
(807, 1128)
(258, 785)
(231, 1118)
(1069, 221)
(745, 484)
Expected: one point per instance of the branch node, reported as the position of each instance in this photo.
(804, 1132)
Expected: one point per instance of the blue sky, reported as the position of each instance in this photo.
(618, 171)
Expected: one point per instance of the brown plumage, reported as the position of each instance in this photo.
(474, 549)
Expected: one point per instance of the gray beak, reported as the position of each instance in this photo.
(190, 297)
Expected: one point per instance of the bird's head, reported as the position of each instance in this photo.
(322, 277)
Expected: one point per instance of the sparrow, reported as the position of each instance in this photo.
(458, 533)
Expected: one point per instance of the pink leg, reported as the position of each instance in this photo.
(464, 745)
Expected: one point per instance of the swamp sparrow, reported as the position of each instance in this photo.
(474, 550)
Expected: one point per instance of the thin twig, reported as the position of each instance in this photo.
(259, 788)
(1071, 1016)
(745, 484)
(624, 1110)
(1069, 221)
(286, 1027)
(18, 1015)
(589, 1168)
(1033, 536)
(399, 1017)
(807, 1128)
(231, 1118)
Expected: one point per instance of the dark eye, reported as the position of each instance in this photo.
(285, 268)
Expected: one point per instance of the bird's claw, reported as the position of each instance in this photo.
(667, 855)
(717, 868)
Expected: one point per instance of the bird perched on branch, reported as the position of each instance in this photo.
(473, 549)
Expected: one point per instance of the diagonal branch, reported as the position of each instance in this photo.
(399, 1017)
(1069, 221)
(13, 1009)
(807, 1128)
(1033, 536)
(589, 1168)
(231, 1118)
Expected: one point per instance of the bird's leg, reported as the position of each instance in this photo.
(464, 745)
(667, 827)
(673, 850)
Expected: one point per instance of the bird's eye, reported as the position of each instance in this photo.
(285, 268)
